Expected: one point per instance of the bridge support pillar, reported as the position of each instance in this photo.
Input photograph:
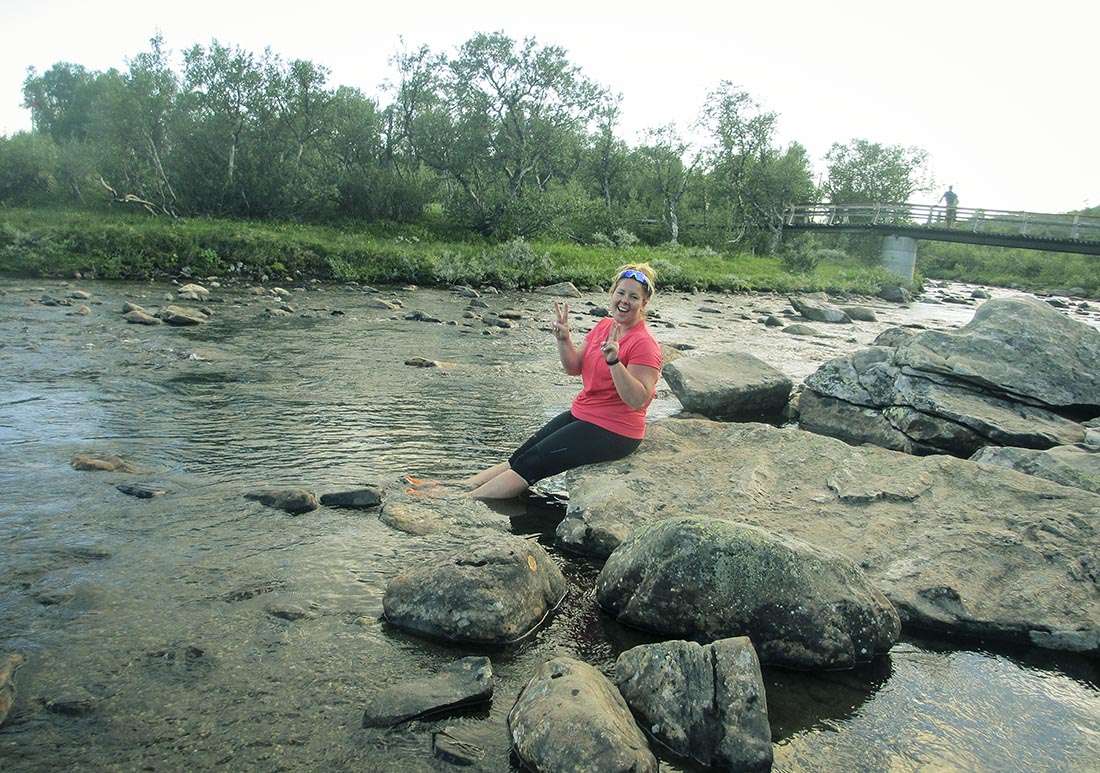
(899, 256)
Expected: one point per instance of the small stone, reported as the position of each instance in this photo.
(421, 362)
(140, 490)
(140, 317)
(79, 295)
(288, 612)
(292, 500)
(368, 496)
(802, 330)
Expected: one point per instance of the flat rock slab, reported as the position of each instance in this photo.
(704, 702)
(101, 463)
(366, 497)
(731, 385)
(463, 683)
(1077, 465)
(570, 717)
(704, 578)
(956, 546)
(292, 500)
(495, 591)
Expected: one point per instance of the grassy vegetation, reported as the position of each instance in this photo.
(38, 242)
(1005, 267)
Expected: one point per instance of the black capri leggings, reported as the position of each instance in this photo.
(567, 442)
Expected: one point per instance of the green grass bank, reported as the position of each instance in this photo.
(57, 243)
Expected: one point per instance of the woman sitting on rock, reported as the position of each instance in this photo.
(619, 364)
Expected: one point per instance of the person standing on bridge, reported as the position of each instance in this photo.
(952, 200)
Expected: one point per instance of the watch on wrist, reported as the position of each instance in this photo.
(613, 362)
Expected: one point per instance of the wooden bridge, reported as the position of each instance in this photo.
(1000, 228)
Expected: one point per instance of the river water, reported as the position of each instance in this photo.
(146, 623)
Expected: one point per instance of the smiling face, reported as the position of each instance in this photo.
(628, 302)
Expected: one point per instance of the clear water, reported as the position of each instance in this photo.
(156, 609)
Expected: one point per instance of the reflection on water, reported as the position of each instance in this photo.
(157, 612)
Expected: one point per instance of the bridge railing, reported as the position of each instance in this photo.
(938, 216)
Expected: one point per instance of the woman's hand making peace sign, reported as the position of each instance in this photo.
(560, 326)
(610, 348)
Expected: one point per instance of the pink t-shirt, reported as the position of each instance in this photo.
(599, 402)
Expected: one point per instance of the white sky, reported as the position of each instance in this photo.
(1003, 99)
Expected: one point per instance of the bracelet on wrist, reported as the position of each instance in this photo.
(612, 362)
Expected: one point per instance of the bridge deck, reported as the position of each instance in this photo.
(1030, 230)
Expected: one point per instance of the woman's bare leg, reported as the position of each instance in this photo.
(506, 485)
(485, 476)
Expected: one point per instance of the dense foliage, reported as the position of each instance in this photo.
(500, 138)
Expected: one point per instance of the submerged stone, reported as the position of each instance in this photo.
(463, 683)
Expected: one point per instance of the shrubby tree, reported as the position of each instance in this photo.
(868, 172)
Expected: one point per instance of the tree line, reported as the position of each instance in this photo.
(502, 137)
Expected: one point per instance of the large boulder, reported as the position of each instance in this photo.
(569, 717)
(495, 591)
(694, 577)
(1020, 347)
(704, 702)
(920, 412)
(1077, 466)
(731, 385)
(816, 306)
(938, 535)
(561, 289)
(463, 683)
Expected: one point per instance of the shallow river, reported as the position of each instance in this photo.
(150, 617)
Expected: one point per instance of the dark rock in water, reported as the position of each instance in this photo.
(802, 606)
(419, 316)
(1077, 465)
(463, 683)
(75, 703)
(598, 311)
(704, 702)
(860, 313)
(288, 612)
(49, 300)
(490, 321)
(80, 295)
(101, 463)
(292, 500)
(9, 664)
(980, 294)
(477, 303)
(731, 385)
(447, 746)
(816, 307)
(421, 362)
(773, 321)
(466, 292)
(495, 592)
(368, 496)
(569, 717)
(1057, 303)
(140, 490)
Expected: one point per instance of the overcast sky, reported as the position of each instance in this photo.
(1004, 100)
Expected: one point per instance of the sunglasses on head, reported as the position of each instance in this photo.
(633, 273)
